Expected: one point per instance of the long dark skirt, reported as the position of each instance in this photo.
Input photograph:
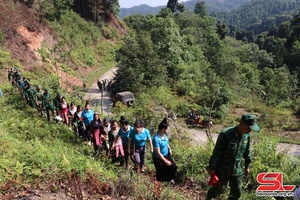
(164, 172)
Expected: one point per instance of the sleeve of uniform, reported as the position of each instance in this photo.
(218, 150)
(247, 155)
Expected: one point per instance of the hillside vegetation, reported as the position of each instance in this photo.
(42, 40)
(258, 16)
(173, 63)
(213, 6)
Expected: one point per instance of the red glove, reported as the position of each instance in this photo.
(214, 180)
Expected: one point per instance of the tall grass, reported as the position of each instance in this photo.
(35, 151)
(192, 162)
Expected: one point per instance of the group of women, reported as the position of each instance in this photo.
(119, 139)
(126, 142)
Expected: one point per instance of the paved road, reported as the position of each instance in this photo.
(199, 137)
(94, 95)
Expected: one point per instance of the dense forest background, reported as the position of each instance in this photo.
(238, 56)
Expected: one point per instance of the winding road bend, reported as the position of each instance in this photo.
(198, 136)
(94, 95)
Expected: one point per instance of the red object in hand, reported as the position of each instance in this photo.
(214, 180)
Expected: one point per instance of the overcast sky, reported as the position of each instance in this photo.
(153, 3)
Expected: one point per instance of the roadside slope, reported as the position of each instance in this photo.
(94, 95)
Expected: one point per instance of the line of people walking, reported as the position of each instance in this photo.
(119, 140)
(125, 143)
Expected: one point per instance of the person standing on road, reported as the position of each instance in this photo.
(138, 137)
(162, 155)
(233, 144)
(87, 116)
(99, 84)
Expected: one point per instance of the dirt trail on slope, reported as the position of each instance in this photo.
(94, 94)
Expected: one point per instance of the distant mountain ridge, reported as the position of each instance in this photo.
(143, 9)
(212, 6)
(255, 16)
(260, 15)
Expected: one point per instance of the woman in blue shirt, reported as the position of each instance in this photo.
(138, 137)
(162, 155)
(124, 131)
(87, 117)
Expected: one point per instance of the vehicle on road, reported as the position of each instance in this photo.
(125, 97)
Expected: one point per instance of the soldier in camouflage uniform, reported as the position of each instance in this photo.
(25, 89)
(31, 94)
(47, 104)
(56, 102)
(20, 85)
(232, 146)
(39, 98)
(10, 75)
(15, 77)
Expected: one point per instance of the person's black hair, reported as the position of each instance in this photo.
(123, 120)
(112, 122)
(139, 124)
(164, 124)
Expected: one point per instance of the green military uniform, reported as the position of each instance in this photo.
(21, 86)
(25, 90)
(56, 102)
(47, 104)
(226, 161)
(31, 94)
(10, 75)
(15, 77)
(39, 98)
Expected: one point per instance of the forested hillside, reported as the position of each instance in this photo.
(193, 60)
(175, 63)
(40, 37)
(258, 16)
(213, 6)
(242, 17)
(283, 42)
